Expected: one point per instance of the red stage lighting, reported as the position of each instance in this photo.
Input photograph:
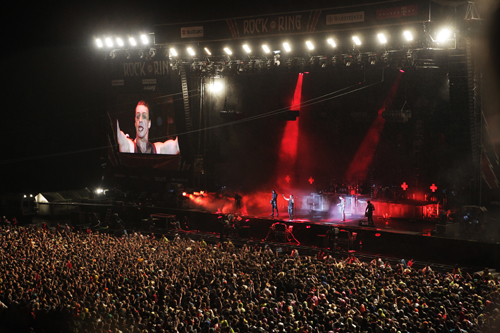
(404, 186)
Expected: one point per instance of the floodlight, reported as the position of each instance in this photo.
(247, 48)
(207, 51)
(408, 35)
(356, 40)
(144, 39)
(228, 51)
(381, 38)
(443, 35)
(132, 41)
(216, 87)
(119, 41)
(310, 45)
(173, 52)
(266, 48)
(190, 51)
(98, 42)
(287, 47)
(109, 42)
(331, 42)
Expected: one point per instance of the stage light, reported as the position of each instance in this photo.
(216, 87)
(119, 41)
(408, 36)
(99, 43)
(331, 42)
(287, 47)
(247, 48)
(356, 40)
(109, 42)
(381, 38)
(173, 52)
(132, 41)
(190, 51)
(443, 35)
(207, 51)
(228, 51)
(99, 191)
(310, 45)
(266, 48)
(144, 39)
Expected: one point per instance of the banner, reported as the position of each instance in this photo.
(300, 22)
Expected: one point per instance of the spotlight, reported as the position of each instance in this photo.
(216, 87)
(246, 48)
(408, 36)
(132, 41)
(119, 41)
(381, 38)
(109, 42)
(144, 39)
(207, 51)
(287, 47)
(190, 51)
(443, 35)
(266, 48)
(356, 40)
(173, 52)
(228, 51)
(99, 43)
(310, 46)
(331, 42)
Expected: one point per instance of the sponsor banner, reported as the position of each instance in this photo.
(192, 32)
(148, 81)
(145, 68)
(345, 18)
(140, 75)
(397, 12)
(300, 22)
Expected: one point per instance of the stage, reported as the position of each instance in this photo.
(425, 240)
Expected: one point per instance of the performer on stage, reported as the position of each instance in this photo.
(237, 200)
(290, 206)
(342, 208)
(274, 203)
(369, 212)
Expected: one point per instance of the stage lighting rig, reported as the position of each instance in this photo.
(287, 47)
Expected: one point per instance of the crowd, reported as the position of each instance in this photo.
(65, 281)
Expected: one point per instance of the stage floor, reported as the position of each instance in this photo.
(421, 227)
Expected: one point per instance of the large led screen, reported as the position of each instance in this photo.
(145, 124)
